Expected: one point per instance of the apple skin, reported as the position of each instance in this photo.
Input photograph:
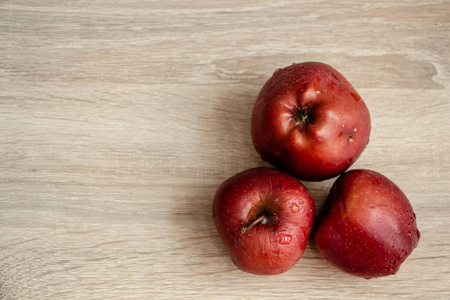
(367, 226)
(272, 246)
(309, 121)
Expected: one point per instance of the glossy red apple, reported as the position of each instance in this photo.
(367, 226)
(264, 218)
(310, 121)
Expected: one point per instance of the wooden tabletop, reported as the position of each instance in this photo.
(119, 120)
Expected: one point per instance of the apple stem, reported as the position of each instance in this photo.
(262, 219)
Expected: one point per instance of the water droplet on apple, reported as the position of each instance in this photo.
(284, 239)
(409, 234)
(317, 88)
(294, 208)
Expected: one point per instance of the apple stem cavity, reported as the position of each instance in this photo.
(301, 116)
(262, 219)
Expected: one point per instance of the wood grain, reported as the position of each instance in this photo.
(119, 119)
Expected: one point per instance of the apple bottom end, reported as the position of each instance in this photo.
(371, 276)
(369, 273)
(264, 271)
(301, 174)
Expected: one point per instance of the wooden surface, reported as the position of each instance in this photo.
(119, 119)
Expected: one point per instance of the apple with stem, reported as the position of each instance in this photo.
(264, 218)
(309, 121)
(367, 226)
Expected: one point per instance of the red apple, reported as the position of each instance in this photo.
(367, 226)
(264, 218)
(310, 121)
